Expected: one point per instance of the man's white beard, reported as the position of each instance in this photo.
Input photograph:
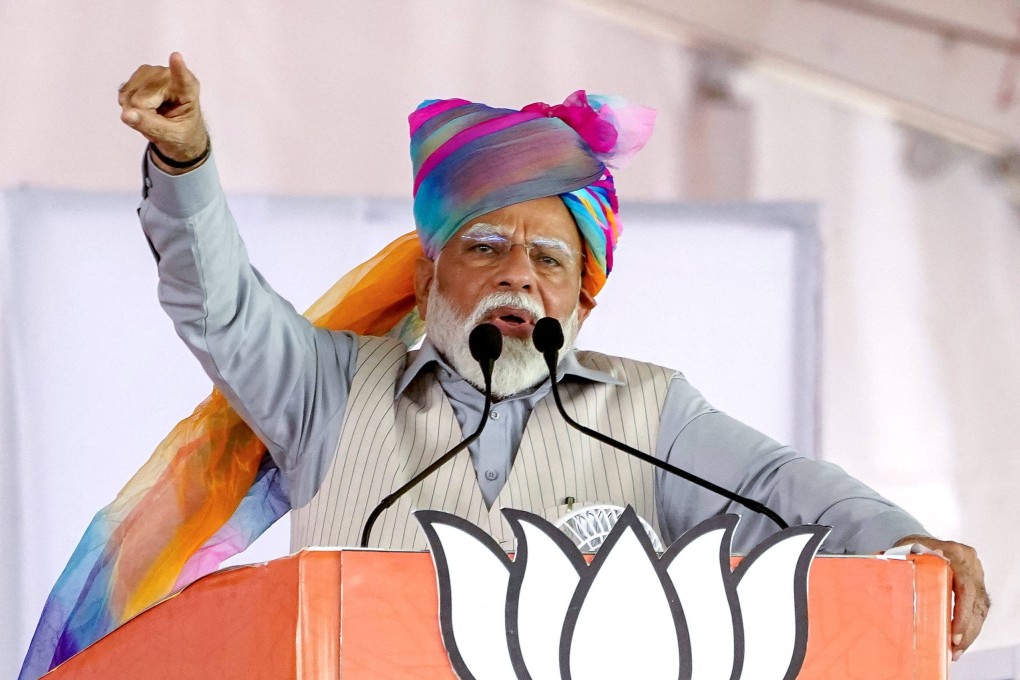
(519, 367)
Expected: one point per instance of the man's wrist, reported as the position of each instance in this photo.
(181, 194)
(912, 538)
(175, 166)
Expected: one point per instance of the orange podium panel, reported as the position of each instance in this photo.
(364, 614)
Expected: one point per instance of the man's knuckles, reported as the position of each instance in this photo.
(145, 75)
(149, 101)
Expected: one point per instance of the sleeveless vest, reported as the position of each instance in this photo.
(386, 440)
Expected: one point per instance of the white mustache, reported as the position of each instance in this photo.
(506, 299)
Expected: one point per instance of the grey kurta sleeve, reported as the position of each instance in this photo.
(696, 437)
(286, 378)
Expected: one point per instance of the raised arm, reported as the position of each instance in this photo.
(286, 378)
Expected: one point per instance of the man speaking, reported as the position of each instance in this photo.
(516, 217)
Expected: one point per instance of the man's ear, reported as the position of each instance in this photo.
(586, 303)
(424, 272)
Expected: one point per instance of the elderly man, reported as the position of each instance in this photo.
(516, 217)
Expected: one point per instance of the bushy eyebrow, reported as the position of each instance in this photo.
(550, 242)
(484, 231)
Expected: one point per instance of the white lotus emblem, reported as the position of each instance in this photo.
(549, 615)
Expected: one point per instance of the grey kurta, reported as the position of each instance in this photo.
(291, 381)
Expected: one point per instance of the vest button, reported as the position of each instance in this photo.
(494, 415)
(491, 475)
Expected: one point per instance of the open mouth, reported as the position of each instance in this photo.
(512, 321)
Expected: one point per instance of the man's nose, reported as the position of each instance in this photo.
(516, 271)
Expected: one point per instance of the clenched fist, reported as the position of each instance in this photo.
(162, 104)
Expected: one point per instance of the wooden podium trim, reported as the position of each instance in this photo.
(317, 638)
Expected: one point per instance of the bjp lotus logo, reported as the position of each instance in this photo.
(547, 614)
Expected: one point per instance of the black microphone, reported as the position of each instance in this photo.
(486, 344)
(548, 339)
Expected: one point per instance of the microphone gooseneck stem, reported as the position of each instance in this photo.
(550, 360)
(387, 502)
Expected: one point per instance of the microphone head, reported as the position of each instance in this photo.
(548, 335)
(485, 342)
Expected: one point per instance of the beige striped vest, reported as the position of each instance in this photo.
(384, 442)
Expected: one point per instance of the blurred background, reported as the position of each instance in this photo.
(880, 136)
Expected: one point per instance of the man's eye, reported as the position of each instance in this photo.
(547, 260)
(482, 249)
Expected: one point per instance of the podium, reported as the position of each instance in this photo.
(364, 614)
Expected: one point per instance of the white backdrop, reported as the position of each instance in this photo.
(100, 376)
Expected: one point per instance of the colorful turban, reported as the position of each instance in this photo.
(210, 489)
(470, 159)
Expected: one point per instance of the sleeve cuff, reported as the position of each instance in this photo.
(880, 532)
(185, 195)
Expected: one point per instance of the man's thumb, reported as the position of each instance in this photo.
(131, 117)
